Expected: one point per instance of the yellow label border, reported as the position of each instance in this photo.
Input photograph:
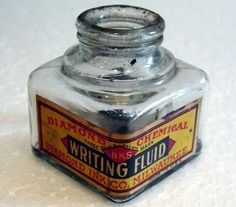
(70, 116)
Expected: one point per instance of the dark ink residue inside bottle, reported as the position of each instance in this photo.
(132, 62)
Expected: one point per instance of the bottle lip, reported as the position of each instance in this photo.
(120, 26)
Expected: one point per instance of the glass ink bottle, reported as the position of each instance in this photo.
(117, 112)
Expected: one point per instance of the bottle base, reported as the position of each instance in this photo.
(63, 169)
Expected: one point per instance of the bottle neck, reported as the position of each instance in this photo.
(119, 43)
(120, 27)
(121, 57)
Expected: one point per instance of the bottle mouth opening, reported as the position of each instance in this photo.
(120, 26)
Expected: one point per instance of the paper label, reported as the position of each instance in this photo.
(120, 164)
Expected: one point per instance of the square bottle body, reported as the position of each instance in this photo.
(121, 141)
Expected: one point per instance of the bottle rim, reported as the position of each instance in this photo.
(120, 26)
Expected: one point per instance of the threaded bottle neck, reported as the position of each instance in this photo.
(119, 45)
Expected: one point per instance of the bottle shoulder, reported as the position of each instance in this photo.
(84, 98)
(185, 77)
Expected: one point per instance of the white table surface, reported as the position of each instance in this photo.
(200, 32)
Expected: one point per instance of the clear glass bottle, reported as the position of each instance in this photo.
(117, 111)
